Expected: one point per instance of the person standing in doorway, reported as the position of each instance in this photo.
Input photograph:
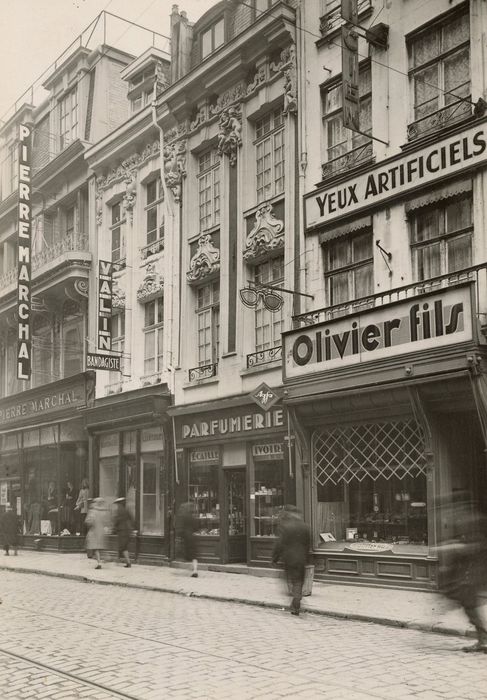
(9, 530)
(292, 548)
(187, 527)
(82, 505)
(96, 522)
(123, 525)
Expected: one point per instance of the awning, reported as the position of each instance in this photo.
(439, 193)
(350, 227)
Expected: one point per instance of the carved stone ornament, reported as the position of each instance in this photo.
(152, 286)
(266, 235)
(175, 167)
(130, 195)
(287, 66)
(127, 168)
(99, 207)
(230, 130)
(205, 261)
(118, 296)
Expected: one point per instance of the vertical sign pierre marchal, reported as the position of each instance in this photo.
(24, 290)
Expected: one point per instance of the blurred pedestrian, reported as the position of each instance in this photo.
(96, 522)
(462, 554)
(292, 549)
(82, 505)
(186, 526)
(9, 530)
(123, 525)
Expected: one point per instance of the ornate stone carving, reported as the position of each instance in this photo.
(152, 286)
(287, 66)
(230, 129)
(205, 261)
(99, 205)
(234, 94)
(257, 79)
(118, 295)
(175, 167)
(128, 167)
(81, 287)
(266, 235)
(130, 195)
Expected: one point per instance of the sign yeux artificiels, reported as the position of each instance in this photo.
(397, 176)
(408, 326)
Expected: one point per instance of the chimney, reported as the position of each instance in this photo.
(181, 44)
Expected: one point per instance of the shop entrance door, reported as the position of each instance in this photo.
(236, 515)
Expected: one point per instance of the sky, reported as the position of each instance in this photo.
(33, 33)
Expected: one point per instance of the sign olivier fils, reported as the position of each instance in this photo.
(24, 290)
(104, 333)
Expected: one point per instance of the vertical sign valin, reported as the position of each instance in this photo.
(24, 290)
(350, 97)
(105, 270)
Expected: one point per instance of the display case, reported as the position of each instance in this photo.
(269, 498)
(207, 509)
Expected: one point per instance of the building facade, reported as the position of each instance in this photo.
(385, 370)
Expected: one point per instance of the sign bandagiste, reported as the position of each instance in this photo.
(397, 176)
(97, 360)
(415, 324)
(24, 300)
(105, 283)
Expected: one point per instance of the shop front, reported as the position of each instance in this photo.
(44, 461)
(234, 464)
(390, 412)
(131, 450)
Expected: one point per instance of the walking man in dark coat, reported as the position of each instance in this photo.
(9, 532)
(123, 526)
(186, 526)
(292, 548)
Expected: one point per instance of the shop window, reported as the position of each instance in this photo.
(203, 492)
(370, 484)
(109, 460)
(68, 118)
(268, 325)
(153, 479)
(339, 139)
(208, 320)
(153, 335)
(349, 268)
(442, 238)
(153, 211)
(439, 69)
(269, 497)
(118, 233)
(269, 154)
(209, 189)
(212, 38)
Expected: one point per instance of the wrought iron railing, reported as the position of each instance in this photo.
(332, 19)
(351, 159)
(452, 279)
(120, 264)
(8, 277)
(113, 388)
(203, 372)
(450, 114)
(70, 243)
(152, 248)
(264, 357)
(148, 379)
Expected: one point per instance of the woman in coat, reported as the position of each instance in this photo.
(96, 522)
(8, 528)
(82, 505)
(123, 526)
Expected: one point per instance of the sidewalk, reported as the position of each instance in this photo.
(398, 608)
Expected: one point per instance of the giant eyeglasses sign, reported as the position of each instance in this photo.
(250, 297)
(24, 297)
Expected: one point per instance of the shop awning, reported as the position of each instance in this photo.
(439, 193)
(345, 229)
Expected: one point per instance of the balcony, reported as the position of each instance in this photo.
(477, 274)
(152, 248)
(114, 388)
(264, 357)
(357, 156)
(150, 379)
(203, 372)
(447, 116)
(52, 255)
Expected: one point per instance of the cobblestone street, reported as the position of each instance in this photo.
(66, 639)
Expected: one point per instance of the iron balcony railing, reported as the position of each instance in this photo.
(152, 248)
(477, 274)
(148, 379)
(264, 357)
(347, 161)
(436, 121)
(203, 372)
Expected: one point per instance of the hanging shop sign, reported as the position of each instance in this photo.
(430, 321)
(264, 396)
(268, 451)
(24, 301)
(204, 457)
(398, 176)
(99, 360)
(231, 423)
(350, 98)
(105, 283)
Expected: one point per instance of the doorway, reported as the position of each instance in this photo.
(235, 505)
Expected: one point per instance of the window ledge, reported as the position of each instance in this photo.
(199, 382)
(261, 368)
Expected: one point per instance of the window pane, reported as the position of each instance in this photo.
(206, 43)
(151, 191)
(458, 215)
(150, 311)
(427, 225)
(429, 261)
(338, 254)
(457, 74)
(364, 281)
(362, 247)
(339, 288)
(426, 47)
(219, 34)
(426, 93)
(456, 32)
(151, 225)
(459, 251)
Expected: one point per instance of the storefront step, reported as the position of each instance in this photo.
(54, 543)
(374, 582)
(231, 569)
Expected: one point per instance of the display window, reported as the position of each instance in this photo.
(370, 486)
(203, 492)
(268, 497)
(153, 480)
